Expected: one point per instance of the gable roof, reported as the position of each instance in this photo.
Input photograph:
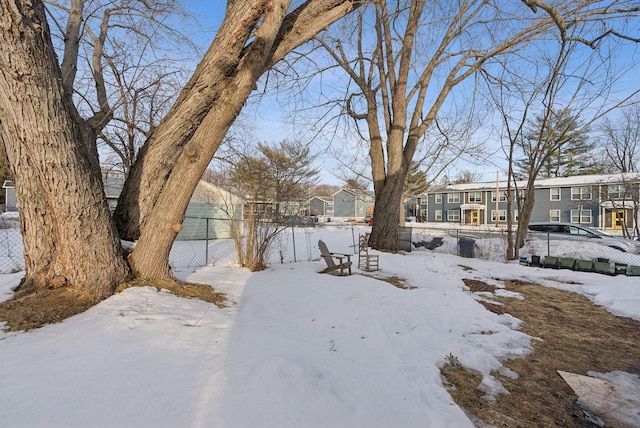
(578, 180)
(355, 192)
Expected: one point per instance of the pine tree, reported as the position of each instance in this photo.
(569, 149)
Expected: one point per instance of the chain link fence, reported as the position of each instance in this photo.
(491, 244)
(11, 250)
(208, 241)
(202, 242)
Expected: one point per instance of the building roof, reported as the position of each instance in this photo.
(356, 192)
(323, 198)
(578, 180)
(113, 186)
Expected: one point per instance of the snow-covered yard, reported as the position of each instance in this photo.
(294, 348)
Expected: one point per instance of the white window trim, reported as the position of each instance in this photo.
(503, 196)
(551, 194)
(477, 197)
(450, 217)
(502, 215)
(621, 192)
(438, 197)
(551, 216)
(581, 193)
(451, 199)
(438, 215)
(581, 216)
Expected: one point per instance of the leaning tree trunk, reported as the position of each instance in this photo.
(152, 205)
(69, 239)
(524, 217)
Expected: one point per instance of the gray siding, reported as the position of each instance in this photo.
(195, 223)
(343, 204)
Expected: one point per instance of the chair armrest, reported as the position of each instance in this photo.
(348, 256)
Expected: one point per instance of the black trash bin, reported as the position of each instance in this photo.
(465, 247)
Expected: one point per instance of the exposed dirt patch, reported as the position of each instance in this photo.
(394, 280)
(577, 337)
(476, 286)
(183, 289)
(27, 311)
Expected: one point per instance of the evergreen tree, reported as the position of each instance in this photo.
(416, 181)
(570, 151)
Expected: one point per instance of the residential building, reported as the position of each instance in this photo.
(10, 203)
(321, 206)
(602, 201)
(352, 203)
(210, 206)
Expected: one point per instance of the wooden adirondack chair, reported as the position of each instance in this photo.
(343, 265)
(367, 261)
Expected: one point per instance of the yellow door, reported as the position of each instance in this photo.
(474, 217)
(618, 219)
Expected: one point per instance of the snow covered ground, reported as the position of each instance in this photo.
(293, 349)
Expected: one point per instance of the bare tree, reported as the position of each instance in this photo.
(324, 190)
(357, 183)
(421, 62)
(420, 54)
(467, 176)
(561, 92)
(68, 233)
(621, 140)
(275, 179)
(621, 146)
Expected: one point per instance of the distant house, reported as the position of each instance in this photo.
(321, 206)
(113, 184)
(210, 212)
(10, 203)
(353, 203)
(604, 201)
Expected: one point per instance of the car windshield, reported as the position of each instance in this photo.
(583, 230)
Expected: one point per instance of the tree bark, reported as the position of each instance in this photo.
(161, 182)
(69, 239)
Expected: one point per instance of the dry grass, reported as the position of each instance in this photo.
(577, 337)
(27, 311)
(394, 280)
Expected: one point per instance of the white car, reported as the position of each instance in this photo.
(577, 232)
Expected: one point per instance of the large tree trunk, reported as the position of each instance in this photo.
(384, 233)
(160, 185)
(69, 239)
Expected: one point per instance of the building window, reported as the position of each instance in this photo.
(581, 216)
(554, 215)
(555, 194)
(453, 215)
(515, 215)
(475, 197)
(503, 196)
(453, 198)
(502, 215)
(438, 215)
(438, 197)
(581, 193)
(619, 191)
